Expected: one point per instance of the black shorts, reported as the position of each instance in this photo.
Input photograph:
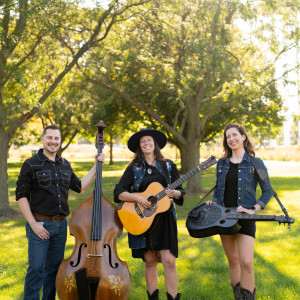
(247, 227)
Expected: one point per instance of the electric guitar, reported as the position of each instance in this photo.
(207, 220)
(138, 220)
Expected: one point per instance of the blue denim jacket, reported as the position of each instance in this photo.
(247, 183)
(139, 173)
(139, 241)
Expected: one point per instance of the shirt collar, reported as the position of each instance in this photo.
(43, 157)
(245, 158)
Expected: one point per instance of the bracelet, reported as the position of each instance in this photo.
(178, 194)
(254, 208)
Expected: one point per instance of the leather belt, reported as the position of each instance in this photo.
(50, 218)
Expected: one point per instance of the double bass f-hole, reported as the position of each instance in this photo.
(79, 255)
(110, 260)
(94, 255)
(94, 270)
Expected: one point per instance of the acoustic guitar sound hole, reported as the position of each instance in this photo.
(152, 200)
(222, 221)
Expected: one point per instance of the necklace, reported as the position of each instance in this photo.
(149, 170)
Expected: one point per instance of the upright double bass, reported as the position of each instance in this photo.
(94, 270)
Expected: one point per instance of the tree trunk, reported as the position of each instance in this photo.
(111, 149)
(5, 210)
(190, 158)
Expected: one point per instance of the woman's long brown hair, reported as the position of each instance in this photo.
(247, 144)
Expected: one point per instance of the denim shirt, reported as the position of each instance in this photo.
(247, 183)
(139, 241)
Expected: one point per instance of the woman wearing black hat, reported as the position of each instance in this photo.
(161, 243)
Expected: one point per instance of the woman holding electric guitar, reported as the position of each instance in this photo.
(237, 180)
(160, 241)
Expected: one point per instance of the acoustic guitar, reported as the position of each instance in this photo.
(207, 220)
(138, 220)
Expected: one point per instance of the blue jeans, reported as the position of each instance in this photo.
(44, 258)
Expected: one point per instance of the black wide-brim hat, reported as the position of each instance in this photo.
(158, 136)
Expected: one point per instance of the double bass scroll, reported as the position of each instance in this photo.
(94, 270)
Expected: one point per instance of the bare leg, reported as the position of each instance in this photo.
(171, 277)
(246, 250)
(230, 246)
(150, 258)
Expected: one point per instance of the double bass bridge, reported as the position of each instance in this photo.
(94, 255)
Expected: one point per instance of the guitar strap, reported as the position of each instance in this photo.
(264, 177)
(208, 193)
(200, 202)
(165, 169)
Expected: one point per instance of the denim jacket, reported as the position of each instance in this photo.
(139, 241)
(247, 183)
(139, 173)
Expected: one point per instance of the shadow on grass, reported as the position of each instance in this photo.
(203, 272)
(202, 265)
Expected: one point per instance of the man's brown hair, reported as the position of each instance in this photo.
(52, 126)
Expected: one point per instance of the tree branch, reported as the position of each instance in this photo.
(178, 112)
(12, 40)
(31, 52)
(138, 105)
(85, 47)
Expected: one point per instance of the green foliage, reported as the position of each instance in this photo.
(32, 53)
(71, 107)
(119, 117)
(185, 65)
(41, 42)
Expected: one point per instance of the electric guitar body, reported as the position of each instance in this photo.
(207, 220)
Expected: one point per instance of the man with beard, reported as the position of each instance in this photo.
(42, 194)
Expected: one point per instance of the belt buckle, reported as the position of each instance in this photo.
(53, 218)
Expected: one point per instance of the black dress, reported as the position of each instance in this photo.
(231, 199)
(164, 234)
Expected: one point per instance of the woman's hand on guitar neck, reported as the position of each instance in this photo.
(173, 194)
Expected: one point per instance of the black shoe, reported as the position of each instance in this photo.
(169, 297)
(247, 295)
(154, 295)
(237, 291)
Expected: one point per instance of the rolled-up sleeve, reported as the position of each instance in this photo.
(24, 182)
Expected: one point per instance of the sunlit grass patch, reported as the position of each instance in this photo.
(202, 265)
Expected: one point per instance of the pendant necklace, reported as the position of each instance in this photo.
(149, 170)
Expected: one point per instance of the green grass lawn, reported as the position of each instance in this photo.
(202, 265)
